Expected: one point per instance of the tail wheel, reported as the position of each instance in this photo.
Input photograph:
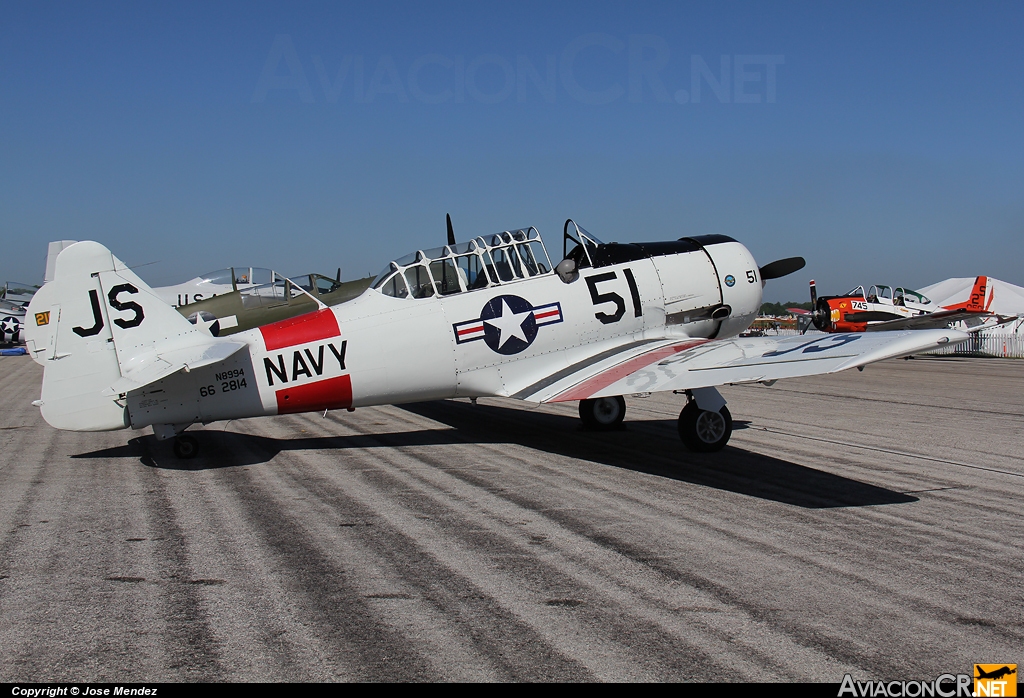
(704, 431)
(603, 413)
(186, 446)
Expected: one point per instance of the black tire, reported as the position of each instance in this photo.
(603, 413)
(703, 431)
(186, 446)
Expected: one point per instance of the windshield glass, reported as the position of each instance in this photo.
(913, 296)
(587, 237)
(221, 276)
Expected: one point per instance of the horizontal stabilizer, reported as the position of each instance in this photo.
(149, 368)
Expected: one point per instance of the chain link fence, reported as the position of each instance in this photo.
(1004, 345)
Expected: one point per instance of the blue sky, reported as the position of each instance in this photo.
(309, 136)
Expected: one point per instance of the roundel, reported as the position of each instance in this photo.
(207, 320)
(10, 325)
(730, 280)
(509, 324)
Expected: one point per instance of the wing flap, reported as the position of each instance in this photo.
(701, 363)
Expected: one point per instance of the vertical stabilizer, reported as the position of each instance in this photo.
(52, 250)
(976, 302)
(90, 324)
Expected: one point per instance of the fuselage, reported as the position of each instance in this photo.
(430, 331)
(215, 283)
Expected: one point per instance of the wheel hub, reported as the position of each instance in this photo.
(606, 410)
(710, 427)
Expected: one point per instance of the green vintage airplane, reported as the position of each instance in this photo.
(246, 308)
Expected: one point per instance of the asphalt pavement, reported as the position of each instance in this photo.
(865, 523)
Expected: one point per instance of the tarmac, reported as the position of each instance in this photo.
(866, 523)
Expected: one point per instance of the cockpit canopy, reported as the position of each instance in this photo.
(16, 291)
(242, 275)
(479, 263)
(880, 293)
(905, 295)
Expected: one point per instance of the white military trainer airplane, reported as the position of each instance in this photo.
(488, 317)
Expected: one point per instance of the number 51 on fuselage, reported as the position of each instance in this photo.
(489, 317)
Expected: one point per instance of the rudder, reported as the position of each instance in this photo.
(976, 302)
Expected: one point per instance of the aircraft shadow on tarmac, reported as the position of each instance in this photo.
(651, 447)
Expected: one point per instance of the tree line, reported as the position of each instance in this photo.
(780, 308)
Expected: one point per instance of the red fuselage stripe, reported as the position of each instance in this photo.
(311, 327)
(330, 394)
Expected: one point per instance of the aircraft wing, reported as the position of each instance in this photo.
(699, 363)
(938, 320)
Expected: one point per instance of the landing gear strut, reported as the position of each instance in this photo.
(186, 446)
(704, 431)
(603, 413)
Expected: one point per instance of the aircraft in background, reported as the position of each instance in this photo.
(239, 298)
(14, 300)
(11, 324)
(244, 309)
(202, 287)
(492, 316)
(237, 311)
(216, 283)
(886, 308)
(18, 294)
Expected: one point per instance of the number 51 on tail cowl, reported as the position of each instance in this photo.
(494, 316)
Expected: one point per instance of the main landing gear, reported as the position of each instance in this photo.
(705, 423)
(603, 413)
(704, 431)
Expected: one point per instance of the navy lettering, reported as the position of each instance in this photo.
(278, 369)
(298, 361)
(340, 356)
(318, 364)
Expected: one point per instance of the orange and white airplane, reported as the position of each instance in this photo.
(887, 308)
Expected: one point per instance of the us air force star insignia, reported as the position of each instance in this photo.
(206, 321)
(508, 324)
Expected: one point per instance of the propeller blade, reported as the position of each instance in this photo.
(451, 231)
(782, 267)
(820, 311)
(339, 275)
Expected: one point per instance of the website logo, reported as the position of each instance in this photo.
(995, 680)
